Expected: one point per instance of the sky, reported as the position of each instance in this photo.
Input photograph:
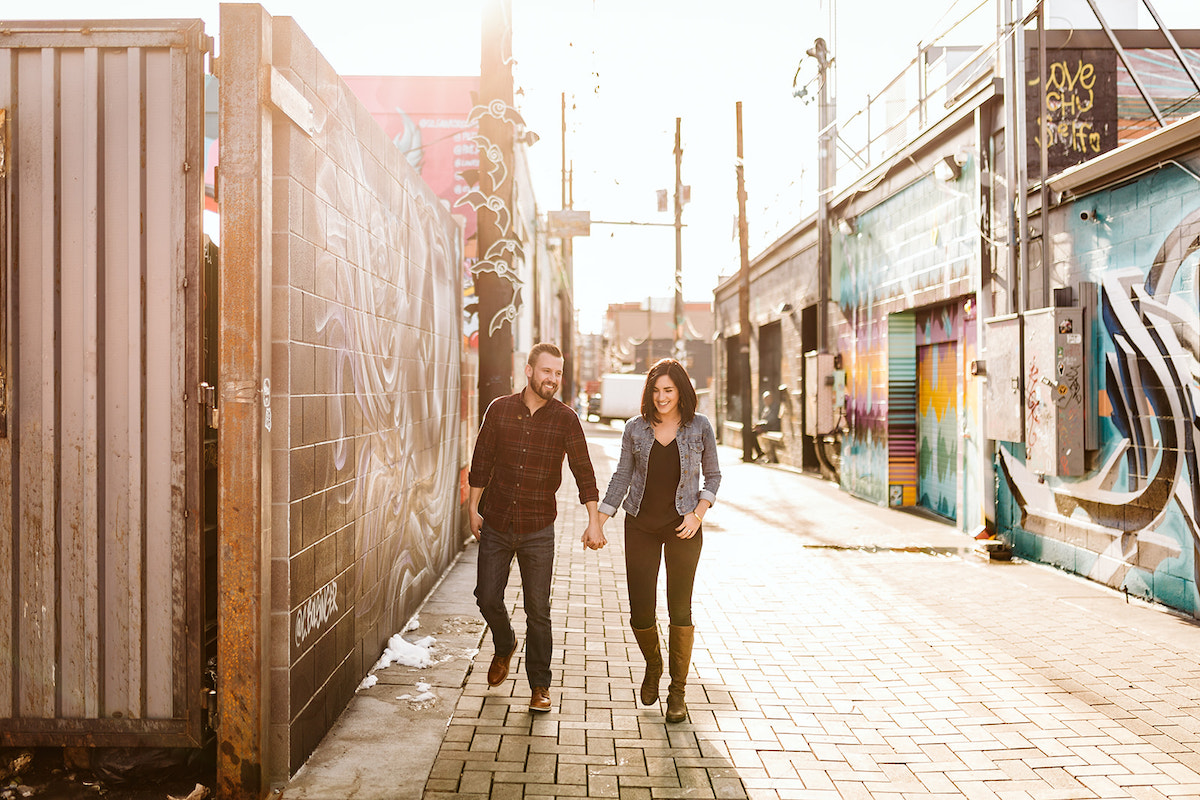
(629, 68)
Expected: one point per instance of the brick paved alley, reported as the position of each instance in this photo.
(842, 651)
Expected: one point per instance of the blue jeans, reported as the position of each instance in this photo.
(535, 557)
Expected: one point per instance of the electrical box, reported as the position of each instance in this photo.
(1002, 376)
(818, 394)
(1055, 391)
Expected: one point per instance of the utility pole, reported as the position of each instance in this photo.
(649, 333)
(825, 181)
(680, 354)
(496, 293)
(567, 297)
(743, 300)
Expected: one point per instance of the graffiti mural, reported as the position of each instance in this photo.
(1077, 114)
(505, 251)
(937, 436)
(393, 334)
(367, 349)
(1132, 520)
(906, 257)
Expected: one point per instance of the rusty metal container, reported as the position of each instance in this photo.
(100, 254)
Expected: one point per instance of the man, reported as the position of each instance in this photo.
(515, 471)
(768, 411)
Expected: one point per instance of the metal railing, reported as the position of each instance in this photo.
(926, 77)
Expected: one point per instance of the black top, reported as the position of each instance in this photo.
(662, 481)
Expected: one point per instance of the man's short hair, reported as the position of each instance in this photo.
(542, 347)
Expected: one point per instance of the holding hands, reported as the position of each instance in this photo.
(593, 536)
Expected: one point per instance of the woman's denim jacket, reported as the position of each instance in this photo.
(697, 456)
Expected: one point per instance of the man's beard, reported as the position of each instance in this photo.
(545, 389)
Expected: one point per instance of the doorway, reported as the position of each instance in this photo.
(770, 366)
(808, 343)
(937, 428)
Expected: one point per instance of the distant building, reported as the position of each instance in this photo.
(636, 334)
(589, 350)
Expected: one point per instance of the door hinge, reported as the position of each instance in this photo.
(208, 398)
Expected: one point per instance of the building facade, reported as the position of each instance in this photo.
(638, 333)
(1019, 361)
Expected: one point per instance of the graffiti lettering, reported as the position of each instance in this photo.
(316, 611)
(1070, 94)
(1070, 90)
(1074, 113)
(1070, 386)
(1076, 135)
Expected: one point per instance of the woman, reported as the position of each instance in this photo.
(664, 453)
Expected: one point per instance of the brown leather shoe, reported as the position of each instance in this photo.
(498, 671)
(540, 699)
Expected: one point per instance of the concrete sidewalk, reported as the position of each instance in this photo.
(842, 651)
(385, 742)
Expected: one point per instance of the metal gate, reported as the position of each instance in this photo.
(101, 587)
(937, 428)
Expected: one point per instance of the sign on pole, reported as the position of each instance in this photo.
(569, 222)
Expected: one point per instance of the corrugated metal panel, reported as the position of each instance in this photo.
(100, 584)
(902, 409)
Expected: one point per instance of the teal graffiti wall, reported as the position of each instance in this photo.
(916, 249)
(1131, 521)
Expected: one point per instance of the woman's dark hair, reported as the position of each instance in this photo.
(683, 386)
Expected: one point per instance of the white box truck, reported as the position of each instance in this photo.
(620, 396)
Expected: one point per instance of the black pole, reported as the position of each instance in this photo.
(825, 182)
(680, 353)
(744, 300)
(567, 305)
(495, 293)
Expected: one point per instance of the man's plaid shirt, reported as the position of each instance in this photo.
(518, 463)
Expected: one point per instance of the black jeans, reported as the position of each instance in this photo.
(535, 557)
(645, 548)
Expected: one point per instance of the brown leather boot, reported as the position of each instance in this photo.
(679, 659)
(647, 639)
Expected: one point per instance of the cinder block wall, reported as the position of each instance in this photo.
(366, 369)
(1129, 521)
(915, 249)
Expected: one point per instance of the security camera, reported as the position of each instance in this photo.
(1085, 215)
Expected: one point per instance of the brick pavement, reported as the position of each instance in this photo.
(842, 651)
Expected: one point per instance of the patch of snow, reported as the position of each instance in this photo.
(410, 654)
(400, 651)
(425, 695)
